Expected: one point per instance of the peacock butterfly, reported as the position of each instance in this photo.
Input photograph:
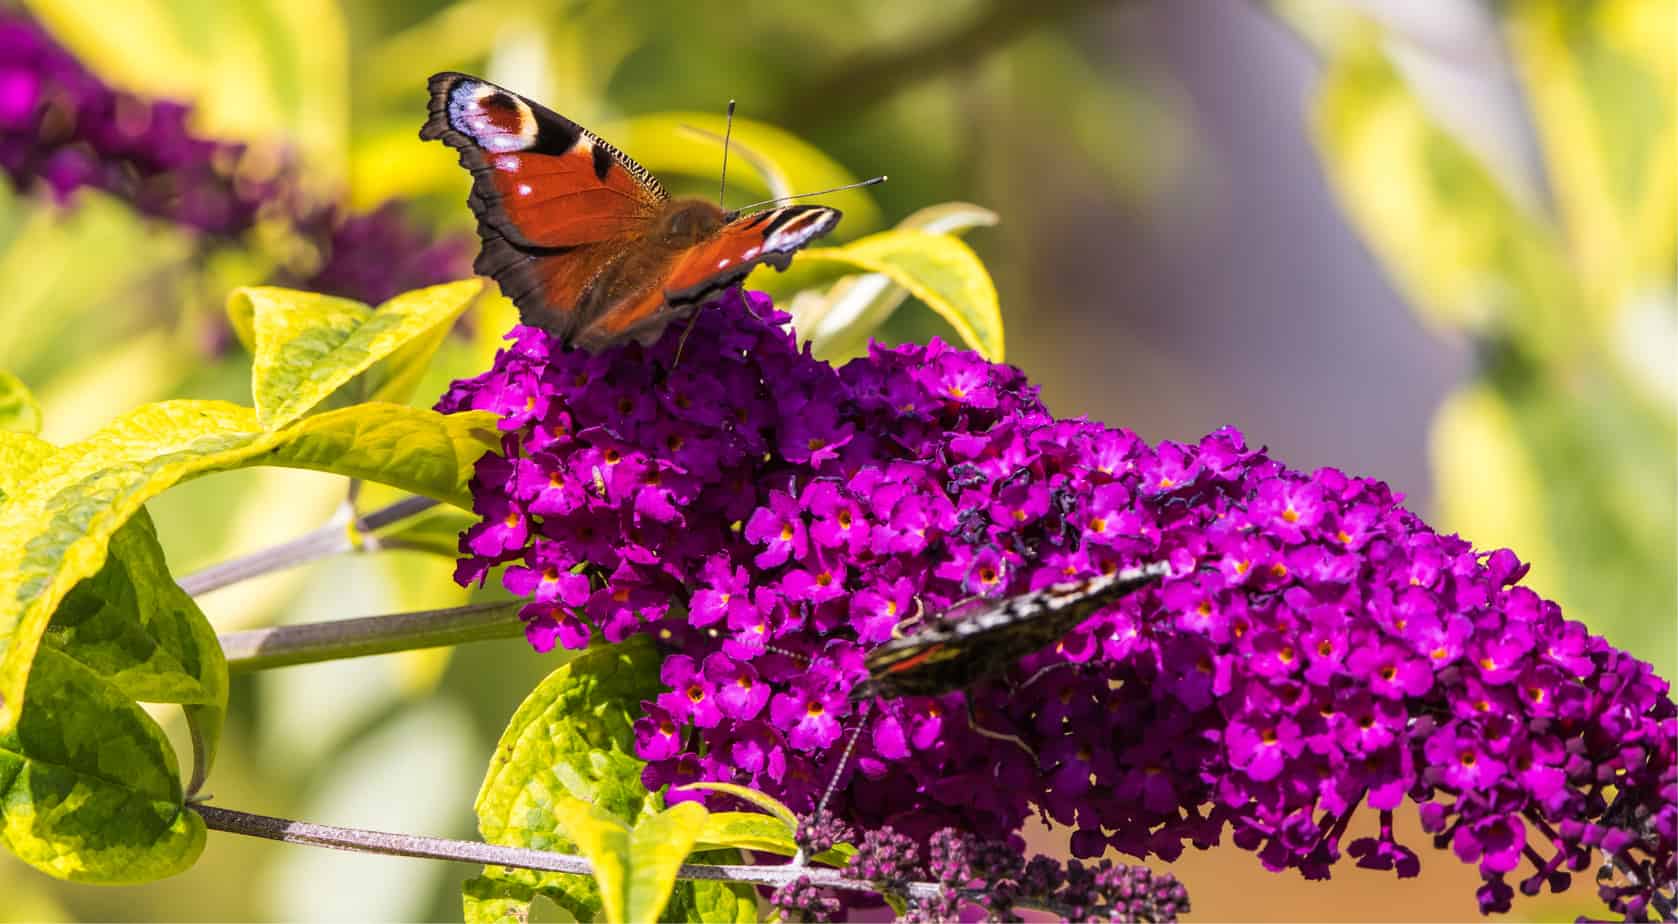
(584, 240)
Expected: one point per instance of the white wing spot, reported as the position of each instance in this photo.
(507, 163)
(722, 263)
(524, 189)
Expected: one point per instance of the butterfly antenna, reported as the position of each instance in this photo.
(871, 181)
(845, 758)
(727, 132)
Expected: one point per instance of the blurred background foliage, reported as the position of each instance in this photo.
(1433, 243)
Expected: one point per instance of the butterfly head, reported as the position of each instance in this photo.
(686, 222)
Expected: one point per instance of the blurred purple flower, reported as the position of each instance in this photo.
(64, 129)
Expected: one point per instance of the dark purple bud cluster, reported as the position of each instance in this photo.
(886, 858)
(816, 834)
(64, 129)
(802, 900)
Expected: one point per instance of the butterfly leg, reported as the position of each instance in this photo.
(682, 343)
(973, 723)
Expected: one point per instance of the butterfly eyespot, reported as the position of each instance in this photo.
(508, 163)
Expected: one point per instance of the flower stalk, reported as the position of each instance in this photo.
(342, 534)
(311, 643)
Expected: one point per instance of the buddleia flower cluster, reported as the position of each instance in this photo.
(64, 129)
(1316, 650)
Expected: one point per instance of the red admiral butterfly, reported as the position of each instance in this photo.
(983, 637)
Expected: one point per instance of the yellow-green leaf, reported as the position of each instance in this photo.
(839, 322)
(19, 411)
(1454, 241)
(89, 787)
(20, 455)
(748, 831)
(1602, 79)
(414, 449)
(257, 70)
(54, 530)
(572, 737)
(939, 270)
(136, 628)
(764, 801)
(635, 868)
(666, 144)
(309, 345)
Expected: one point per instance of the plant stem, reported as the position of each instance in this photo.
(871, 76)
(278, 646)
(334, 538)
(437, 848)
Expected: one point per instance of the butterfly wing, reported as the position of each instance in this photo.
(690, 276)
(555, 203)
(957, 649)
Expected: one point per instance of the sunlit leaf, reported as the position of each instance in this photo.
(20, 455)
(573, 737)
(18, 410)
(634, 867)
(1532, 474)
(54, 530)
(437, 531)
(91, 789)
(309, 345)
(748, 831)
(1465, 253)
(135, 627)
(839, 322)
(417, 450)
(496, 901)
(665, 144)
(768, 803)
(1602, 80)
(257, 70)
(938, 269)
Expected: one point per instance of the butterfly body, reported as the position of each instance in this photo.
(984, 637)
(585, 241)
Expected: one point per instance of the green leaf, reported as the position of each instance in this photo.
(496, 901)
(19, 411)
(54, 529)
(255, 70)
(572, 738)
(437, 531)
(307, 345)
(1601, 79)
(1465, 254)
(762, 800)
(839, 322)
(414, 449)
(764, 834)
(667, 144)
(20, 455)
(939, 270)
(135, 627)
(89, 788)
(1525, 468)
(635, 868)
(748, 831)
